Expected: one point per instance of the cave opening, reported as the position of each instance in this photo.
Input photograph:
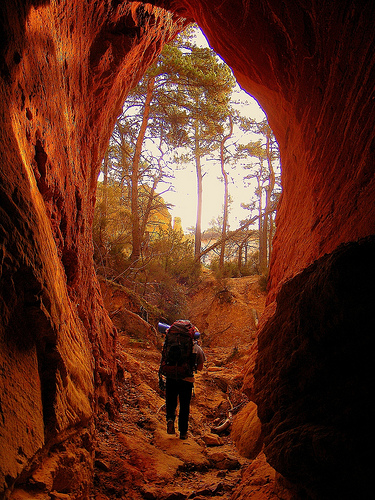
(218, 393)
(311, 66)
(223, 194)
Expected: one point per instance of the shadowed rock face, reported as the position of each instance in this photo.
(65, 70)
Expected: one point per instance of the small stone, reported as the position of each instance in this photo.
(55, 495)
(212, 440)
(149, 494)
(102, 465)
(176, 496)
(223, 461)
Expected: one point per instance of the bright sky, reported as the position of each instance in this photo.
(184, 198)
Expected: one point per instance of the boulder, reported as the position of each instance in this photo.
(222, 460)
(246, 431)
(212, 439)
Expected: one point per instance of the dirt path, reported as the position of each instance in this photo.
(137, 459)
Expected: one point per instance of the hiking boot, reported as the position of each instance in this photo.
(183, 436)
(170, 427)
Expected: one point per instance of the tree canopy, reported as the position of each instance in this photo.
(181, 111)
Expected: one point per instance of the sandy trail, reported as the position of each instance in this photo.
(137, 459)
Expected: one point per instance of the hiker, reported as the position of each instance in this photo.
(181, 357)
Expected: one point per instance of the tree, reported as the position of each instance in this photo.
(265, 150)
(111, 230)
(182, 104)
(226, 192)
(179, 103)
(205, 89)
(145, 118)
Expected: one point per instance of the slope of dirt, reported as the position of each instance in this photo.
(137, 459)
(226, 311)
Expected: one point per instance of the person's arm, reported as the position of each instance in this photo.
(201, 358)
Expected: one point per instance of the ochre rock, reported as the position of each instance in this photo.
(212, 439)
(315, 400)
(246, 431)
(65, 69)
(258, 482)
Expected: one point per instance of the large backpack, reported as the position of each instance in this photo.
(178, 359)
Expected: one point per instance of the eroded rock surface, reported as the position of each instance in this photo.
(136, 458)
(65, 69)
(315, 402)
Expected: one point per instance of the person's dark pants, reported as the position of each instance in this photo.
(178, 390)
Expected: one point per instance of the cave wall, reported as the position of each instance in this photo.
(314, 379)
(311, 66)
(65, 70)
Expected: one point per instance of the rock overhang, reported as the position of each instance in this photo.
(65, 73)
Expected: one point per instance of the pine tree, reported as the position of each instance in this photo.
(265, 150)
(180, 103)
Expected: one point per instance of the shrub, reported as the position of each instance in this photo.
(231, 269)
(263, 281)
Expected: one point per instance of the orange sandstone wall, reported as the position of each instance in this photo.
(65, 69)
(311, 65)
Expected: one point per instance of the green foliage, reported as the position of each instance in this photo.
(173, 254)
(111, 230)
(231, 269)
(181, 102)
(191, 85)
(222, 290)
(167, 265)
(171, 298)
(177, 113)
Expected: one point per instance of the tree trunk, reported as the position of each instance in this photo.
(230, 234)
(198, 225)
(263, 237)
(136, 226)
(239, 257)
(264, 257)
(260, 221)
(103, 240)
(151, 195)
(271, 187)
(270, 234)
(226, 195)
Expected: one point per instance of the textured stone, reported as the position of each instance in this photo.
(212, 439)
(65, 69)
(258, 482)
(246, 431)
(315, 399)
(222, 460)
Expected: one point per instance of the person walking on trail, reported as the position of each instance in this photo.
(181, 358)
